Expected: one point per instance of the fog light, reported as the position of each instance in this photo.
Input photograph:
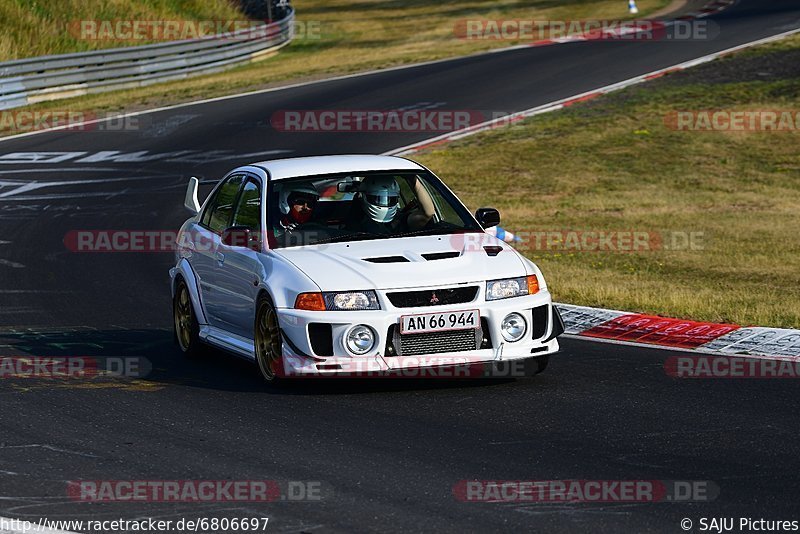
(513, 327)
(359, 339)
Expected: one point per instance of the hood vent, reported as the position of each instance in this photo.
(388, 259)
(441, 255)
(430, 256)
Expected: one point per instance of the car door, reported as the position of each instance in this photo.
(216, 219)
(238, 267)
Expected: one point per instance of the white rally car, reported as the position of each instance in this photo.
(354, 265)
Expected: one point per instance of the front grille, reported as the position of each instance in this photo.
(433, 297)
(433, 342)
(437, 342)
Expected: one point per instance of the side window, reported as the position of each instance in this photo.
(248, 210)
(406, 193)
(218, 213)
(443, 209)
(207, 213)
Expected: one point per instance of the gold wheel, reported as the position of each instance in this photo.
(267, 340)
(183, 316)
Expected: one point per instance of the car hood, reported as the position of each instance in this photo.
(431, 261)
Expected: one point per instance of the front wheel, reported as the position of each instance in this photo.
(268, 343)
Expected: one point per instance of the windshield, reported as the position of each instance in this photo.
(362, 206)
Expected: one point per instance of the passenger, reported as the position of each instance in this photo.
(297, 205)
(295, 226)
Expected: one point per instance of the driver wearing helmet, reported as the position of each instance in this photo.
(297, 206)
(378, 199)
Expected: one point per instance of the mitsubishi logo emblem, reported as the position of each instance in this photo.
(434, 298)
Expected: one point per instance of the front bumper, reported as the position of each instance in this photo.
(303, 357)
(438, 366)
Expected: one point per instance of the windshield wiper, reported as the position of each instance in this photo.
(438, 231)
(357, 236)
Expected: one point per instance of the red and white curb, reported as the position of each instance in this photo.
(569, 101)
(680, 334)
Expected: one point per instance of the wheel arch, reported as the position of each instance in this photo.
(183, 271)
(262, 293)
(282, 280)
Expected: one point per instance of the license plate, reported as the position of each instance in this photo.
(440, 322)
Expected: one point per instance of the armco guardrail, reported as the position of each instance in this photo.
(32, 80)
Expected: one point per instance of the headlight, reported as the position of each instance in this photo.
(359, 339)
(513, 327)
(512, 287)
(351, 300)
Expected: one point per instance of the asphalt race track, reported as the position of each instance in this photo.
(387, 454)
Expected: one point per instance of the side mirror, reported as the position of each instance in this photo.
(241, 236)
(190, 201)
(487, 217)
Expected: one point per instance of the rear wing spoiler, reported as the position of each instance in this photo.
(190, 202)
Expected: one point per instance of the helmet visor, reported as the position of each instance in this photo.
(383, 200)
(302, 199)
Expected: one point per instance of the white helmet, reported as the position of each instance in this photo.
(303, 189)
(380, 196)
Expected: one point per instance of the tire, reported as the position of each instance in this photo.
(541, 362)
(267, 341)
(184, 322)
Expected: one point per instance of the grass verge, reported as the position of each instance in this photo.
(37, 28)
(613, 164)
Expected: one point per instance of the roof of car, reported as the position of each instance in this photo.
(316, 165)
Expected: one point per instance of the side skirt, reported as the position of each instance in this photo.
(237, 345)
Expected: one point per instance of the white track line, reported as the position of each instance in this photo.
(269, 90)
(262, 91)
(559, 104)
